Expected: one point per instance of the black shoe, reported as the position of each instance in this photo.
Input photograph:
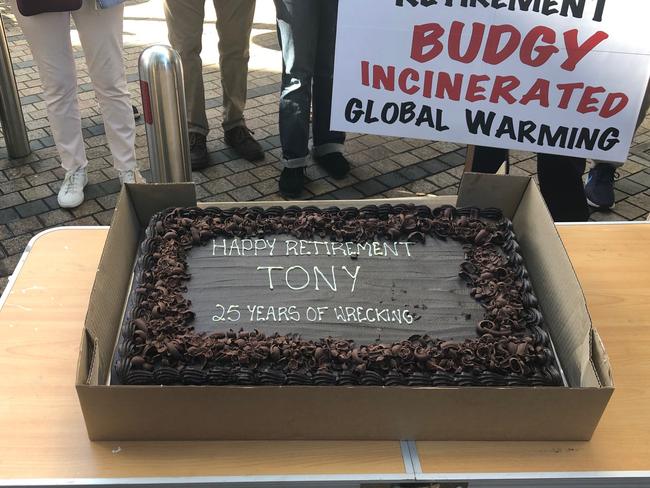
(600, 186)
(241, 140)
(292, 182)
(136, 113)
(335, 164)
(198, 151)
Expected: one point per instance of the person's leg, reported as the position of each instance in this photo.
(328, 144)
(48, 36)
(100, 32)
(560, 180)
(185, 28)
(234, 25)
(599, 187)
(297, 33)
(488, 159)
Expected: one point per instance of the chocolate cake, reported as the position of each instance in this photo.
(383, 295)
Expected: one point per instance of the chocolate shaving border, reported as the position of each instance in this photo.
(158, 344)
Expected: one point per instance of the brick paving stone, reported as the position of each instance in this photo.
(29, 209)
(245, 194)
(365, 172)
(628, 186)
(452, 159)
(108, 202)
(36, 193)
(266, 187)
(55, 217)
(8, 264)
(5, 233)
(88, 207)
(392, 180)
(450, 190)
(641, 178)
(320, 187)
(10, 200)
(221, 185)
(111, 186)
(104, 218)
(8, 215)
(433, 166)
(4, 281)
(349, 193)
(370, 188)
(413, 173)
(385, 166)
(442, 180)
(16, 245)
(222, 197)
(422, 186)
(606, 217)
(41, 178)
(629, 211)
(641, 200)
(11, 186)
(88, 220)
(29, 224)
(242, 179)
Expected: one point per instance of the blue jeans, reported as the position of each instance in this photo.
(307, 34)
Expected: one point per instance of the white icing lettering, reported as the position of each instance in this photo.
(271, 245)
(303, 248)
(331, 284)
(337, 246)
(291, 246)
(260, 245)
(234, 245)
(216, 246)
(246, 245)
(377, 249)
(393, 249)
(406, 245)
(289, 270)
(353, 276)
(269, 269)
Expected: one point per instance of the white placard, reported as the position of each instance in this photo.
(555, 76)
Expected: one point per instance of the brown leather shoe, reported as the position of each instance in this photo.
(241, 140)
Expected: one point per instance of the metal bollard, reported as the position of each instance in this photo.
(165, 115)
(11, 112)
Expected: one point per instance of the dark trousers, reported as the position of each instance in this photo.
(560, 181)
(307, 34)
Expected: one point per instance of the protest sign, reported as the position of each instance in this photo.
(555, 76)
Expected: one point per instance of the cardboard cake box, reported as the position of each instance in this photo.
(115, 412)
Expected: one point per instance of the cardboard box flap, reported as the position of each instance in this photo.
(556, 285)
(601, 360)
(484, 191)
(149, 199)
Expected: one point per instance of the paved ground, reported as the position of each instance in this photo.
(382, 166)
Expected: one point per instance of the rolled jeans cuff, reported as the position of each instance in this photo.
(325, 149)
(197, 129)
(232, 124)
(295, 162)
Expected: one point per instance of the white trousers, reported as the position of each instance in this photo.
(100, 32)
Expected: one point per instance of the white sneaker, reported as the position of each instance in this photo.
(71, 193)
(131, 176)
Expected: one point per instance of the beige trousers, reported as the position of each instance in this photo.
(234, 24)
